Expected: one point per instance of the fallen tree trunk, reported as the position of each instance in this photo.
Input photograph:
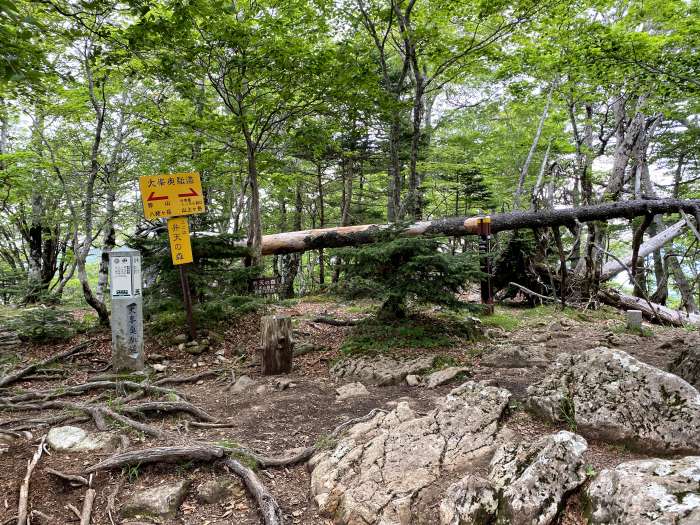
(651, 311)
(612, 268)
(300, 241)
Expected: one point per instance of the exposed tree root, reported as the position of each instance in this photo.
(197, 452)
(176, 380)
(169, 406)
(73, 479)
(267, 505)
(23, 505)
(336, 322)
(19, 374)
(76, 390)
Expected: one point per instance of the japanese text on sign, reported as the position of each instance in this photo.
(171, 195)
(179, 235)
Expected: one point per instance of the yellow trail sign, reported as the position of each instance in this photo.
(179, 235)
(171, 195)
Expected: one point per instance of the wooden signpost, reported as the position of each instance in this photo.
(173, 196)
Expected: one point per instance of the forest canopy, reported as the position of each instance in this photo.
(311, 114)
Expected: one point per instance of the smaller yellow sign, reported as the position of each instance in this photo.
(179, 235)
(171, 195)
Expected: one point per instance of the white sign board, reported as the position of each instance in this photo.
(136, 273)
(121, 277)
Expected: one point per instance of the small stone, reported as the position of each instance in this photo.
(195, 349)
(181, 346)
(445, 375)
(75, 439)
(159, 367)
(217, 490)
(156, 358)
(351, 390)
(200, 382)
(191, 343)
(413, 380)
(297, 513)
(261, 389)
(221, 351)
(634, 320)
(157, 502)
(283, 383)
(180, 338)
(243, 383)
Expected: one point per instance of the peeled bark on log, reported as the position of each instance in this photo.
(665, 314)
(277, 345)
(300, 241)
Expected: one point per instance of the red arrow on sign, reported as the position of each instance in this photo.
(192, 193)
(153, 197)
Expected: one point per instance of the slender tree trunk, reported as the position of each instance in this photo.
(394, 186)
(108, 242)
(322, 223)
(290, 262)
(531, 153)
(254, 218)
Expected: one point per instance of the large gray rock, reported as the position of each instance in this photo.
(652, 491)
(470, 501)
(610, 395)
(157, 502)
(517, 357)
(381, 471)
(380, 370)
(526, 486)
(444, 376)
(533, 478)
(351, 390)
(75, 439)
(687, 365)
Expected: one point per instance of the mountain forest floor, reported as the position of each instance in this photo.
(272, 421)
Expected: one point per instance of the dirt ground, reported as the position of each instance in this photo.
(274, 421)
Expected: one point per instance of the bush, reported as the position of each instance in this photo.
(407, 269)
(42, 325)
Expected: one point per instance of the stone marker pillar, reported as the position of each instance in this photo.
(634, 320)
(127, 310)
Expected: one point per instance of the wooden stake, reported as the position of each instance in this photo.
(277, 345)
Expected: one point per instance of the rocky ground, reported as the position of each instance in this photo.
(463, 430)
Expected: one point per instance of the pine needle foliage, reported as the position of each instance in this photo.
(407, 270)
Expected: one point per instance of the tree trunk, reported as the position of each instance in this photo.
(254, 218)
(531, 154)
(108, 242)
(322, 223)
(653, 312)
(300, 241)
(277, 345)
(612, 268)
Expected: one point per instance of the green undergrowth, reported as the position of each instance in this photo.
(374, 337)
(167, 317)
(510, 318)
(41, 324)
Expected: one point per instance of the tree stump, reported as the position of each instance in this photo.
(277, 345)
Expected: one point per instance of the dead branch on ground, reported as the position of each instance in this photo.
(19, 374)
(23, 505)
